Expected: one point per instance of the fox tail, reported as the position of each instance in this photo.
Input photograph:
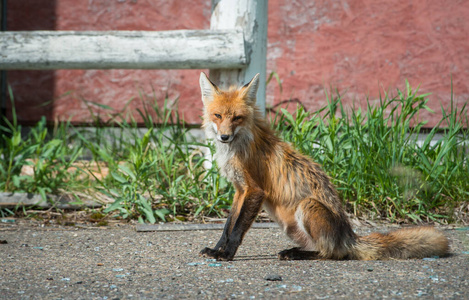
(405, 243)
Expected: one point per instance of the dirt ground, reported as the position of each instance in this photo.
(117, 262)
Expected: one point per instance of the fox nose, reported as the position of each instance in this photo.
(224, 137)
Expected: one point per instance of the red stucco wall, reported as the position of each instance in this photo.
(361, 47)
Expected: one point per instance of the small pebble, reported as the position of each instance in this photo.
(8, 220)
(195, 263)
(273, 277)
(296, 288)
(214, 265)
(429, 259)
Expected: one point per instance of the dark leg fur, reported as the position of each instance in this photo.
(231, 239)
(298, 254)
(220, 247)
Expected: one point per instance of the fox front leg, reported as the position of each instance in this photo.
(229, 242)
(219, 248)
(230, 221)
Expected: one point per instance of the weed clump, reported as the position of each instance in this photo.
(381, 163)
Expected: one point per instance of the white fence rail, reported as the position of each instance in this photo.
(234, 49)
(181, 49)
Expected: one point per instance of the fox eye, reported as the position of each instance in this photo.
(237, 118)
(218, 116)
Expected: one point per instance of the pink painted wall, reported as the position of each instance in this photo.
(361, 47)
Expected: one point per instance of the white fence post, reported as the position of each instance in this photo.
(251, 16)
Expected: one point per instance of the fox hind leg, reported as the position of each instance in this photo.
(320, 233)
(295, 229)
(298, 254)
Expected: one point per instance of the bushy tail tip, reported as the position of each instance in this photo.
(418, 242)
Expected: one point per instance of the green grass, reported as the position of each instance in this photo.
(375, 160)
(157, 174)
(48, 153)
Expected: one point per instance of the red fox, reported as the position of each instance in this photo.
(298, 195)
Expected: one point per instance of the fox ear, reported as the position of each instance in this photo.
(250, 90)
(208, 88)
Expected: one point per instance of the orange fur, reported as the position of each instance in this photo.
(291, 187)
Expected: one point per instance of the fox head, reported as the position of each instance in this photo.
(229, 113)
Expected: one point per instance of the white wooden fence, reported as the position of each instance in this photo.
(234, 49)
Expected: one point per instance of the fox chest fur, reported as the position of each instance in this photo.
(229, 164)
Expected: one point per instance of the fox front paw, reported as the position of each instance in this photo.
(208, 252)
(216, 254)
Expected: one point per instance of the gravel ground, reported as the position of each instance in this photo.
(119, 263)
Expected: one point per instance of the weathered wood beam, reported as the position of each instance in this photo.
(179, 49)
(188, 227)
